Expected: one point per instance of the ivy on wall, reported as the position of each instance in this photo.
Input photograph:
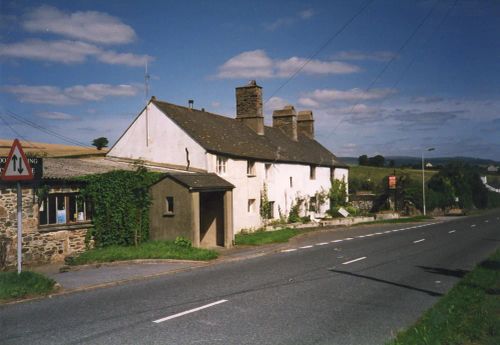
(121, 203)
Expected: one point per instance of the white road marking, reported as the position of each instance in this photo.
(190, 311)
(369, 235)
(358, 259)
(288, 250)
(349, 238)
(305, 247)
(486, 221)
(322, 243)
(386, 232)
(360, 236)
(335, 241)
(378, 233)
(452, 231)
(421, 240)
(473, 226)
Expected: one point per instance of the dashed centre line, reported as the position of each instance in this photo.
(190, 311)
(363, 236)
(421, 240)
(355, 260)
(473, 226)
(452, 231)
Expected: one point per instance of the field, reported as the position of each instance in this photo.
(50, 150)
(377, 174)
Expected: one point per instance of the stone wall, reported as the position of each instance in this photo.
(40, 244)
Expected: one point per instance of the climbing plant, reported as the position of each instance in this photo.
(121, 203)
(265, 205)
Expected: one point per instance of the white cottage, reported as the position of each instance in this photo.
(284, 160)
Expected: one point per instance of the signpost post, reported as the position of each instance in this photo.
(17, 168)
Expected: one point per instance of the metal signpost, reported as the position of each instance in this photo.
(17, 168)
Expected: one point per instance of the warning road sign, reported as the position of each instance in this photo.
(17, 167)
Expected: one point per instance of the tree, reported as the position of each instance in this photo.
(100, 142)
(377, 161)
(363, 160)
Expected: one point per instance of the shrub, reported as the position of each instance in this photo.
(182, 242)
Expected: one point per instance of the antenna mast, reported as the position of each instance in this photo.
(146, 90)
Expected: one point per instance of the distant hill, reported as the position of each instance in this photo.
(407, 160)
(50, 150)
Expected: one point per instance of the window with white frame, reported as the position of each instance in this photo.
(250, 168)
(251, 206)
(221, 165)
(64, 208)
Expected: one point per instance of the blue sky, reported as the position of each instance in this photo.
(382, 77)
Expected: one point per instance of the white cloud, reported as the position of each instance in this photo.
(275, 103)
(286, 68)
(257, 64)
(68, 52)
(353, 95)
(72, 95)
(251, 64)
(290, 20)
(91, 26)
(359, 56)
(56, 51)
(56, 115)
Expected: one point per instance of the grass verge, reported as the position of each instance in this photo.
(468, 315)
(266, 237)
(26, 284)
(147, 250)
(399, 220)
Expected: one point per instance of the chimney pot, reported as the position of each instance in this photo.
(305, 123)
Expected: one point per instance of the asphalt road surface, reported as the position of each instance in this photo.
(358, 286)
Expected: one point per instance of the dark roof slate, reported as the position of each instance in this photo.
(224, 135)
(200, 181)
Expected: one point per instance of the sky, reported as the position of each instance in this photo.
(381, 77)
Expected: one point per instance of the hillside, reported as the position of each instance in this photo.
(376, 175)
(406, 160)
(50, 150)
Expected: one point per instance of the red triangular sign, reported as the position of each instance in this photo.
(17, 167)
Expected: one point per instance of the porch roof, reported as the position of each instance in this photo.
(200, 181)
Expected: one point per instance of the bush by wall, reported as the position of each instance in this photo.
(121, 203)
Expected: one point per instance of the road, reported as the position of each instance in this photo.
(358, 286)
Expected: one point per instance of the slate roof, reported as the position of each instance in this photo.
(223, 135)
(200, 181)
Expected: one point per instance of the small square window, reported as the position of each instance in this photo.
(169, 205)
(251, 168)
(251, 205)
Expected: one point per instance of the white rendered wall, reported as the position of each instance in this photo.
(167, 142)
(278, 188)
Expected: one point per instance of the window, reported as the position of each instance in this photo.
(221, 165)
(312, 172)
(268, 170)
(312, 204)
(64, 209)
(291, 182)
(271, 210)
(169, 205)
(251, 205)
(251, 168)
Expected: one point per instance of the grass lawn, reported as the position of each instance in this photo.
(147, 250)
(265, 237)
(468, 315)
(26, 284)
(399, 220)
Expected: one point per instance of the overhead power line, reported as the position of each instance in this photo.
(18, 135)
(45, 130)
(323, 46)
(389, 63)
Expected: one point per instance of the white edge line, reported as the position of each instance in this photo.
(305, 247)
(322, 243)
(335, 241)
(421, 240)
(358, 259)
(452, 231)
(190, 311)
(288, 250)
(349, 238)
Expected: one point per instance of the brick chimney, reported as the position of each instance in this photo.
(249, 106)
(305, 123)
(286, 120)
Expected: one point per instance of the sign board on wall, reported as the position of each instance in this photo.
(36, 164)
(392, 182)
